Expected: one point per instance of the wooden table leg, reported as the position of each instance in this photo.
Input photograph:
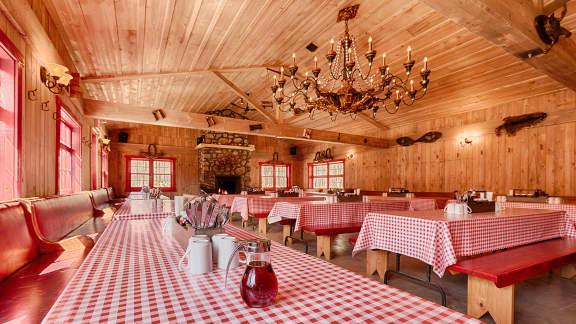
(567, 271)
(484, 296)
(262, 226)
(377, 262)
(324, 246)
(286, 232)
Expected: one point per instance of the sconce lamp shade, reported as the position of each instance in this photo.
(65, 79)
(56, 70)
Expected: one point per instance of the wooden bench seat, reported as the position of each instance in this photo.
(325, 236)
(116, 200)
(32, 266)
(491, 277)
(101, 202)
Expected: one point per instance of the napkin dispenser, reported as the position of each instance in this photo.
(482, 206)
(397, 192)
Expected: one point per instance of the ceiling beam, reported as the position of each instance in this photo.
(372, 121)
(553, 6)
(243, 94)
(138, 76)
(143, 115)
(510, 25)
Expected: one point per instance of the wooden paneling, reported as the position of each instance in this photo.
(39, 127)
(541, 157)
(469, 72)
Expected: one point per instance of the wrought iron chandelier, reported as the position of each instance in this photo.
(357, 91)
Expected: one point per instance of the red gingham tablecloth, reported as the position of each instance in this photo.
(260, 207)
(437, 239)
(229, 199)
(331, 214)
(415, 203)
(137, 195)
(142, 209)
(132, 275)
(569, 209)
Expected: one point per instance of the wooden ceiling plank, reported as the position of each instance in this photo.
(372, 121)
(136, 114)
(553, 6)
(510, 25)
(242, 94)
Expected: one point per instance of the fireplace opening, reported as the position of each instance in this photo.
(229, 184)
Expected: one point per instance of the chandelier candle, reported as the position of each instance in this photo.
(345, 89)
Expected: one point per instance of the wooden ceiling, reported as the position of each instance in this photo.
(126, 52)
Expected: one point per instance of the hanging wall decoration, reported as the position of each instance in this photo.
(429, 137)
(513, 124)
(325, 155)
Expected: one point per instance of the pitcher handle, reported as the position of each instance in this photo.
(240, 245)
(184, 257)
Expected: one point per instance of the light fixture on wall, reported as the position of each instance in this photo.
(55, 78)
(466, 141)
(349, 155)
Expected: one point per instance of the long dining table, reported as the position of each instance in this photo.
(438, 239)
(144, 208)
(132, 275)
(415, 203)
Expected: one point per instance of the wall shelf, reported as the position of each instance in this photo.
(250, 147)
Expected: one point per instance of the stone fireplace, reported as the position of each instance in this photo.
(221, 166)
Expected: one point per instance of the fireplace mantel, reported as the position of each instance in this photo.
(250, 147)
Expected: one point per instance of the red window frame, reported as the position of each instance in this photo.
(66, 118)
(104, 168)
(311, 175)
(172, 161)
(274, 165)
(13, 184)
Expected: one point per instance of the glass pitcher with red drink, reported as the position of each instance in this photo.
(259, 285)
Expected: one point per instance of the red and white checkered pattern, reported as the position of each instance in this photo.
(132, 275)
(260, 207)
(314, 214)
(142, 209)
(437, 239)
(569, 209)
(229, 199)
(415, 203)
(137, 196)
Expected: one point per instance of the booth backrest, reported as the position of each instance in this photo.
(100, 197)
(58, 216)
(17, 245)
(111, 194)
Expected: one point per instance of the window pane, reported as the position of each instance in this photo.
(8, 127)
(320, 170)
(267, 170)
(267, 182)
(281, 182)
(337, 168)
(320, 183)
(281, 170)
(162, 167)
(337, 182)
(65, 171)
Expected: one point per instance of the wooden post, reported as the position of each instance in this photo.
(324, 246)
(377, 262)
(484, 296)
(286, 232)
(262, 226)
(567, 271)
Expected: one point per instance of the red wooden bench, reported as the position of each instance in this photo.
(491, 277)
(101, 202)
(53, 219)
(30, 266)
(325, 235)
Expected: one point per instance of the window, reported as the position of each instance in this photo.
(157, 173)
(274, 176)
(104, 171)
(94, 162)
(326, 175)
(68, 133)
(10, 103)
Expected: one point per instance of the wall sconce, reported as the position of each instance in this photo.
(55, 78)
(349, 155)
(159, 114)
(106, 141)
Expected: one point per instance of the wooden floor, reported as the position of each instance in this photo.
(545, 299)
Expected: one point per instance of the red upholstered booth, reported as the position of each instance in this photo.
(18, 246)
(54, 218)
(101, 201)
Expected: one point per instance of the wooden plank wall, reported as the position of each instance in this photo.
(540, 157)
(39, 127)
(180, 143)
